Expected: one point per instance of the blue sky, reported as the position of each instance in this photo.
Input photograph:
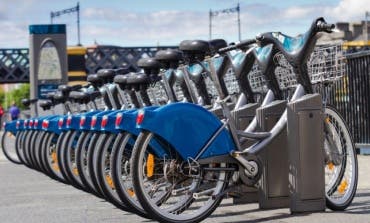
(167, 22)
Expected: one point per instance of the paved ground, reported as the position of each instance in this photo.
(29, 196)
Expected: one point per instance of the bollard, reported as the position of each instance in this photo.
(273, 191)
(306, 154)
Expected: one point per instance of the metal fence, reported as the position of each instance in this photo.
(117, 57)
(351, 96)
(14, 65)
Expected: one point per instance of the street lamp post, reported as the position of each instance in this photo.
(367, 16)
(67, 11)
(227, 11)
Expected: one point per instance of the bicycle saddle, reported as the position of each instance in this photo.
(122, 70)
(45, 105)
(195, 46)
(140, 78)
(150, 65)
(106, 75)
(79, 96)
(121, 79)
(169, 58)
(59, 97)
(217, 44)
(95, 80)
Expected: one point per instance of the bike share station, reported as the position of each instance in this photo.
(292, 176)
(137, 154)
(293, 163)
(48, 62)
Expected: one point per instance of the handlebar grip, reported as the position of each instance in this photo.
(245, 43)
(227, 49)
(237, 46)
(76, 87)
(325, 27)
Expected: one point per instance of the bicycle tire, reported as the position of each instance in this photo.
(345, 142)
(69, 148)
(103, 146)
(81, 162)
(6, 147)
(23, 146)
(61, 146)
(39, 158)
(18, 149)
(185, 210)
(91, 154)
(124, 192)
(50, 156)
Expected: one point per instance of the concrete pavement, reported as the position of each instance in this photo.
(29, 196)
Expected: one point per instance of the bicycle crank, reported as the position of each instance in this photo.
(250, 169)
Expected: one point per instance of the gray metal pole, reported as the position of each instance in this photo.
(51, 17)
(210, 24)
(367, 15)
(239, 32)
(78, 24)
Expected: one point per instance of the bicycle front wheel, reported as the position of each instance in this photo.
(8, 146)
(172, 189)
(341, 167)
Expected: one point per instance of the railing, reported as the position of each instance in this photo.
(350, 94)
(116, 57)
(14, 66)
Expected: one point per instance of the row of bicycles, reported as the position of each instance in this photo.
(169, 143)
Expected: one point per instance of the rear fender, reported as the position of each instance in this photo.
(128, 120)
(188, 127)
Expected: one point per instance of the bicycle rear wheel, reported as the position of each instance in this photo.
(341, 167)
(120, 171)
(172, 189)
(8, 141)
(50, 155)
(18, 146)
(81, 162)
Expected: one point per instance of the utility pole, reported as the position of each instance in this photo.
(225, 11)
(210, 24)
(367, 16)
(239, 32)
(78, 24)
(67, 11)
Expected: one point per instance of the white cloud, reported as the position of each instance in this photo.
(349, 10)
(297, 12)
(14, 35)
(168, 27)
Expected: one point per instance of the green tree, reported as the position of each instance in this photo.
(17, 95)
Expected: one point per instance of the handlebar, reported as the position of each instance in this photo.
(322, 26)
(237, 46)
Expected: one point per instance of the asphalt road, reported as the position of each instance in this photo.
(29, 196)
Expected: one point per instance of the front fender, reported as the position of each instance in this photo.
(12, 126)
(188, 127)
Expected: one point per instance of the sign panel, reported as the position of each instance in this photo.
(44, 89)
(49, 63)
